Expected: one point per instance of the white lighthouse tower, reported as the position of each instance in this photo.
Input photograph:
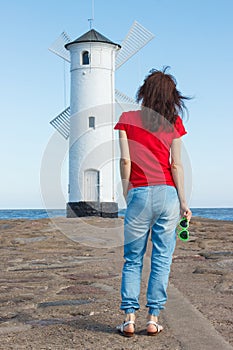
(89, 121)
(91, 148)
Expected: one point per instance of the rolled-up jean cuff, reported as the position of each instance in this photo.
(131, 310)
(153, 312)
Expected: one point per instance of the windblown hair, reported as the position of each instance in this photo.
(161, 101)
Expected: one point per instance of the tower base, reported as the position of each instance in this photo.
(102, 209)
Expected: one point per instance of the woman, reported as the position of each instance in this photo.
(153, 185)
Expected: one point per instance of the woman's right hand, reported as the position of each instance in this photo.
(185, 212)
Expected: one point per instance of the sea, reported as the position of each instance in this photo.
(35, 214)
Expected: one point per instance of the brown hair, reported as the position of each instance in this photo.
(161, 101)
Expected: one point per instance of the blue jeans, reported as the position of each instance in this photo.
(155, 210)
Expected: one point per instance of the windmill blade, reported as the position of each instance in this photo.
(62, 123)
(136, 39)
(123, 98)
(58, 47)
(125, 102)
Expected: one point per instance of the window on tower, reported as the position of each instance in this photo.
(92, 122)
(85, 57)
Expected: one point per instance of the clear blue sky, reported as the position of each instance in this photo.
(193, 37)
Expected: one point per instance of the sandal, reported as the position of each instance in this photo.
(121, 327)
(159, 328)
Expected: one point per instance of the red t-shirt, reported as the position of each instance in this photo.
(149, 151)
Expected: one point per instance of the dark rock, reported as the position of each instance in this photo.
(64, 303)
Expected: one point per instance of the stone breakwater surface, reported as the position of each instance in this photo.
(60, 283)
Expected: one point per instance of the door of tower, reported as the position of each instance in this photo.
(91, 185)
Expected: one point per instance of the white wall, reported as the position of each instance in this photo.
(92, 94)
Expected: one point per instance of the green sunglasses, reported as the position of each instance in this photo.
(182, 229)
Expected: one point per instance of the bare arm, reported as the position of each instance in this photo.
(178, 177)
(125, 162)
